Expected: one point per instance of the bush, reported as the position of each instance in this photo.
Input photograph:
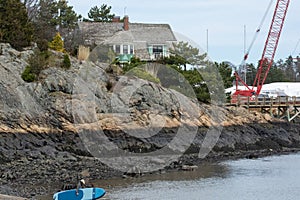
(27, 75)
(66, 64)
(37, 62)
(42, 45)
(134, 62)
(57, 43)
(114, 69)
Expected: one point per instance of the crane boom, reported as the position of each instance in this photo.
(271, 43)
(269, 51)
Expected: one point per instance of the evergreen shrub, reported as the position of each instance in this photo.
(66, 64)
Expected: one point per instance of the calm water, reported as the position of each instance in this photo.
(274, 178)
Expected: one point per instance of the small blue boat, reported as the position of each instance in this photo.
(80, 194)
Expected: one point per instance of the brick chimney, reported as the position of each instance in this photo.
(126, 23)
(116, 19)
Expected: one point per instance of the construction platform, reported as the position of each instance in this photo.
(281, 107)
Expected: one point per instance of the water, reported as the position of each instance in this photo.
(274, 178)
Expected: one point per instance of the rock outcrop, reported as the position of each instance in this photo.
(42, 123)
(51, 104)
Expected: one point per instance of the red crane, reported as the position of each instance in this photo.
(268, 53)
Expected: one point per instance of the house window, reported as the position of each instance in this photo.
(131, 49)
(118, 49)
(158, 51)
(125, 49)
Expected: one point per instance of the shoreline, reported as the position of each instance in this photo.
(36, 164)
(47, 192)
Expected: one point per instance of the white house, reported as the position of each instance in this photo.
(145, 41)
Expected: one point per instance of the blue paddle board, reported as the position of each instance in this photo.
(81, 194)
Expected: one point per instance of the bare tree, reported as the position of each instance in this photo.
(31, 7)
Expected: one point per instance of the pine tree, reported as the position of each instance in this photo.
(57, 43)
(188, 53)
(66, 16)
(289, 69)
(44, 23)
(15, 27)
(101, 14)
(55, 16)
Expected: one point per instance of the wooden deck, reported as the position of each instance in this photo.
(281, 107)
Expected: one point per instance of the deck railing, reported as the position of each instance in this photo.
(265, 101)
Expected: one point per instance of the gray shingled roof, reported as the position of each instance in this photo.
(152, 33)
(113, 33)
(96, 32)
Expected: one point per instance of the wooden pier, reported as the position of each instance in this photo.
(280, 107)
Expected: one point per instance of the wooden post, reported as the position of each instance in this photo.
(271, 107)
(288, 114)
(248, 102)
(294, 101)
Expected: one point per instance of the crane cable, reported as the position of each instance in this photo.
(295, 47)
(256, 33)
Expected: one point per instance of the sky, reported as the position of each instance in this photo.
(223, 28)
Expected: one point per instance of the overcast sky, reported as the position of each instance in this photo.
(223, 20)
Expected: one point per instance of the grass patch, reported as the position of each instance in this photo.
(142, 74)
(83, 53)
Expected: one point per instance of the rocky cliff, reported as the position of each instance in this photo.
(49, 129)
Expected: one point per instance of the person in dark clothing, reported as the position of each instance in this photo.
(80, 184)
